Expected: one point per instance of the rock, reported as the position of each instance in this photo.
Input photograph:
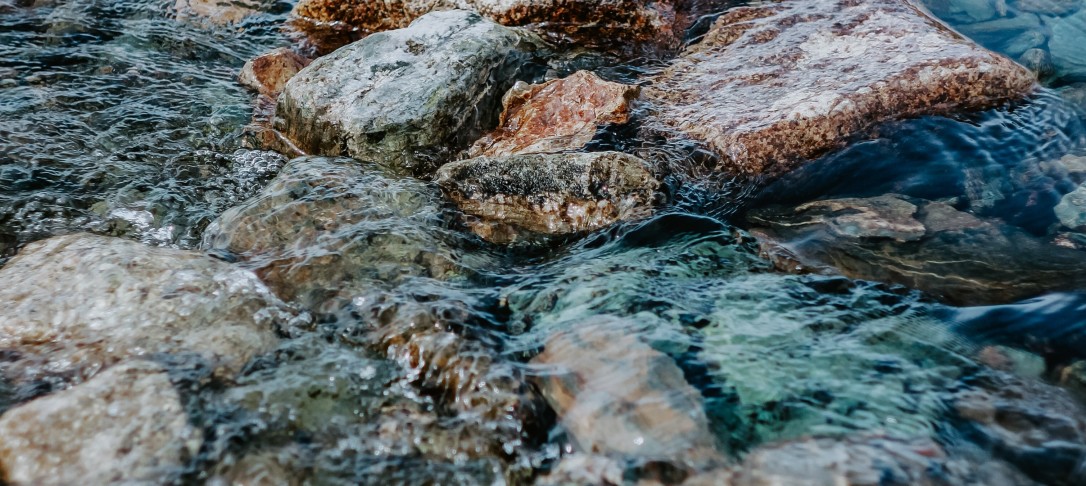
(263, 469)
(1038, 61)
(1048, 7)
(592, 23)
(269, 72)
(1019, 44)
(327, 228)
(556, 116)
(964, 11)
(1067, 48)
(999, 30)
(1071, 210)
(935, 248)
(219, 12)
(392, 98)
(1073, 377)
(616, 396)
(86, 301)
(773, 85)
(125, 425)
(549, 194)
(583, 469)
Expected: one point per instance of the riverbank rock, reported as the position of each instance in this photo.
(125, 425)
(327, 228)
(773, 85)
(86, 301)
(549, 194)
(393, 98)
(593, 23)
(269, 72)
(925, 245)
(559, 115)
(617, 396)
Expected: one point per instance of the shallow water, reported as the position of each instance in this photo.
(118, 118)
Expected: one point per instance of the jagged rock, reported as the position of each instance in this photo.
(327, 228)
(617, 396)
(772, 85)
(559, 115)
(595, 23)
(86, 301)
(549, 194)
(929, 246)
(394, 98)
(125, 425)
(269, 72)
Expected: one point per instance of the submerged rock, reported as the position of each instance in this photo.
(773, 85)
(593, 23)
(1065, 44)
(1071, 211)
(559, 115)
(549, 194)
(269, 72)
(393, 97)
(220, 12)
(619, 397)
(327, 228)
(86, 301)
(125, 425)
(929, 246)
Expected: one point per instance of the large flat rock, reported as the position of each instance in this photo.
(773, 85)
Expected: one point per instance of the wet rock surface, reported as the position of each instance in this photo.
(549, 194)
(391, 98)
(559, 115)
(770, 86)
(125, 425)
(931, 246)
(219, 12)
(87, 301)
(269, 72)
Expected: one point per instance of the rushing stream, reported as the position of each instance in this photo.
(119, 118)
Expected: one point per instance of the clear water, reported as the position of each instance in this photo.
(117, 117)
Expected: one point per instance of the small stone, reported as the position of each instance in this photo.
(772, 86)
(269, 72)
(1038, 61)
(556, 116)
(125, 425)
(549, 194)
(1071, 211)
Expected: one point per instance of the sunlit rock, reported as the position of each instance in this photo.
(549, 194)
(409, 97)
(125, 425)
(269, 72)
(325, 228)
(617, 396)
(559, 115)
(621, 23)
(87, 301)
(929, 246)
(773, 85)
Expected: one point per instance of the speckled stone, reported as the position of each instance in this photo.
(269, 72)
(771, 86)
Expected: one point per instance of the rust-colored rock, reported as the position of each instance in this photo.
(623, 23)
(773, 85)
(269, 72)
(556, 116)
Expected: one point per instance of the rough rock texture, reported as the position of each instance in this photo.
(930, 246)
(405, 97)
(125, 425)
(559, 115)
(269, 72)
(549, 193)
(85, 301)
(595, 23)
(617, 396)
(325, 228)
(773, 85)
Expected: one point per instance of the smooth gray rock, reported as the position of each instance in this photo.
(408, 97)
(1048, 7)
(1038, 61)
(124, 426)
(86, 301)
(1067, 46)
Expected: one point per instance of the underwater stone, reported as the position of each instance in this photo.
(1049, 7)
(549, 194)
(771, 86)
(409, 97)
(86, 301)
(125, 425)
(559, 115)
(269, 72)
(219, 12)
(1066, 46)
(1071, 210)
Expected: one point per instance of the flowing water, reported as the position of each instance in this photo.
(117, 117)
